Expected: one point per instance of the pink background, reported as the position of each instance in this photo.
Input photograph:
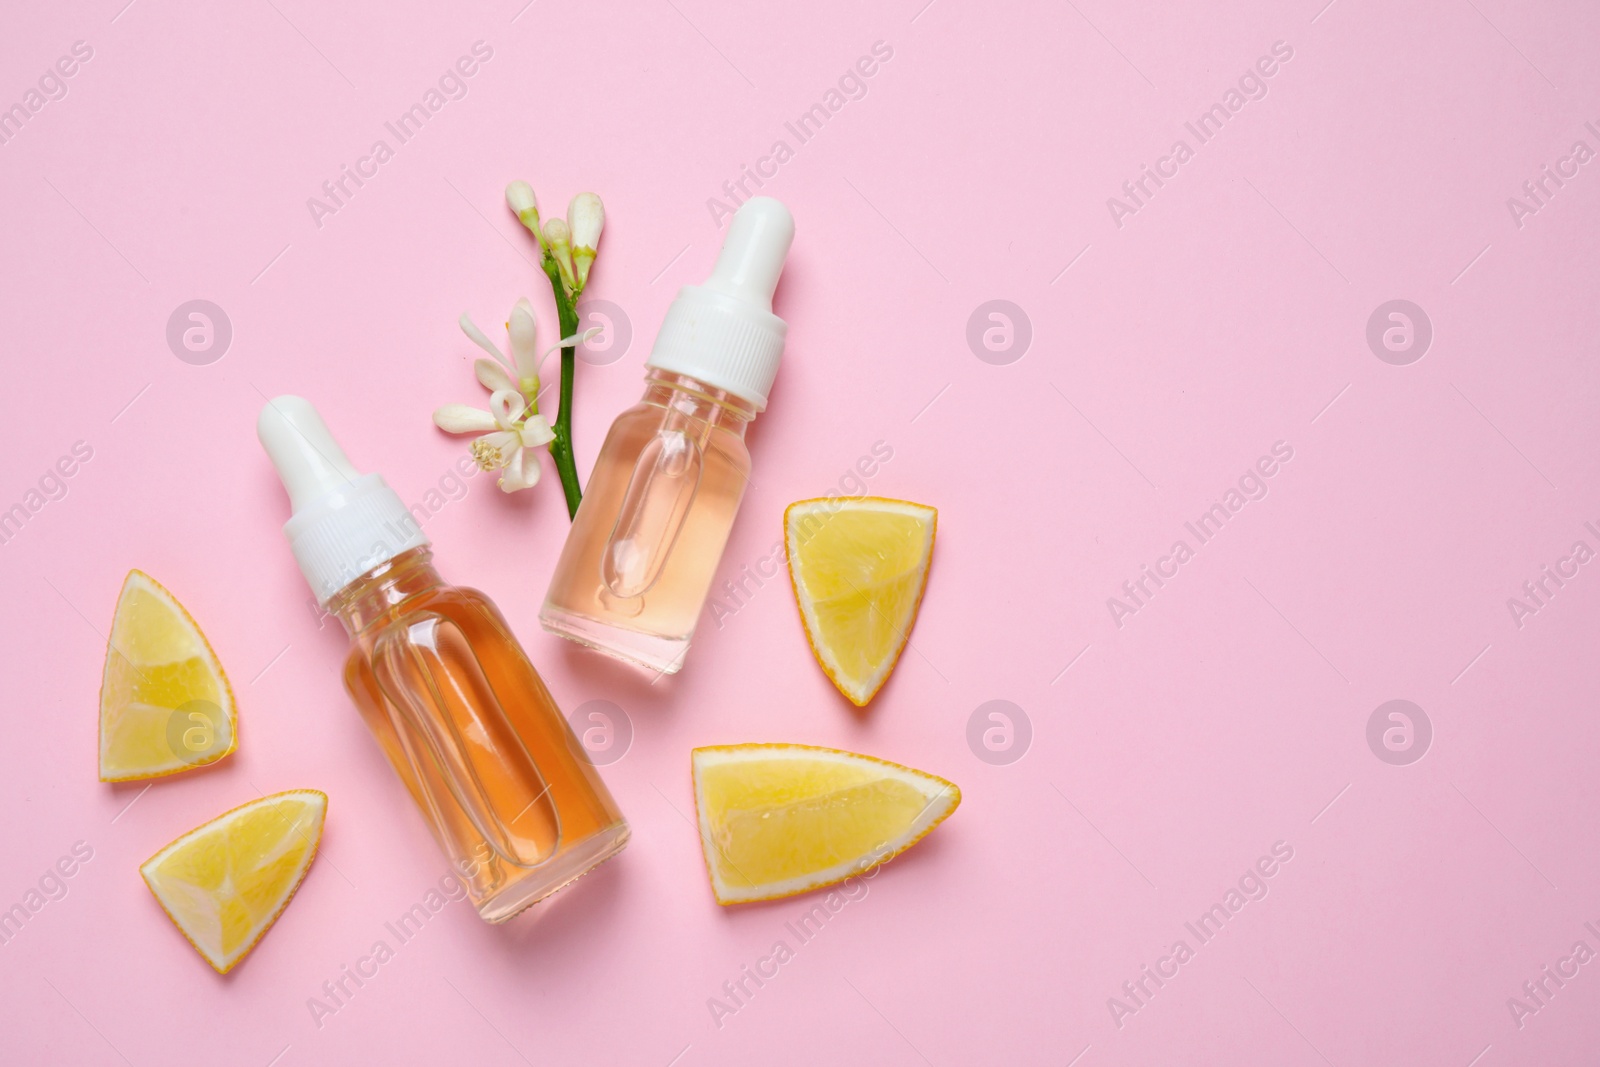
(1227, 314)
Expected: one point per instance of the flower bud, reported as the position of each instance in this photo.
(559, 240)
(587, 217)
(520, 198)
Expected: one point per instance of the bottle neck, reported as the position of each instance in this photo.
(375, 594)
(697, 400)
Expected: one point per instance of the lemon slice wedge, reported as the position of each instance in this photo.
(859, 568)
(225, 883)
(165, 705)
(776, 820)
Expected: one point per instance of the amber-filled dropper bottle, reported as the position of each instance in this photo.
(508, 791)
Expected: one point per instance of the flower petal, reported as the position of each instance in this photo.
(532, 469)
(521, 473)
(573, 340)
(493, 375)
(524, 341)
(582, 337)
(536, 432)
(507, 406)
(470, 328)
(510, 479)
(463, 418)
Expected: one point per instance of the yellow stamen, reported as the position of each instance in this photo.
(487, 456)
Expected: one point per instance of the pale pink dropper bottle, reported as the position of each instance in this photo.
(666, 486)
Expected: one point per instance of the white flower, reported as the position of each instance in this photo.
(496, 373)
(512, 430)
(586, 217)
(510, 438)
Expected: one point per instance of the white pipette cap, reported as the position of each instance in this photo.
(344, 523)
(723, 332)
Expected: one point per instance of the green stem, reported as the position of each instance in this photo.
(561, 448)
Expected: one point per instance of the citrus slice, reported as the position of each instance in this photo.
(776, 820)
(859, 568)
(165, 705)
(223, 884)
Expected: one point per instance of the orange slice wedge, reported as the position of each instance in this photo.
(225, 883)
(165, 705)
(776, 820)
(859, 568)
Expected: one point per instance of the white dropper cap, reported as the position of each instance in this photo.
(344, 523)
(724, 333)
